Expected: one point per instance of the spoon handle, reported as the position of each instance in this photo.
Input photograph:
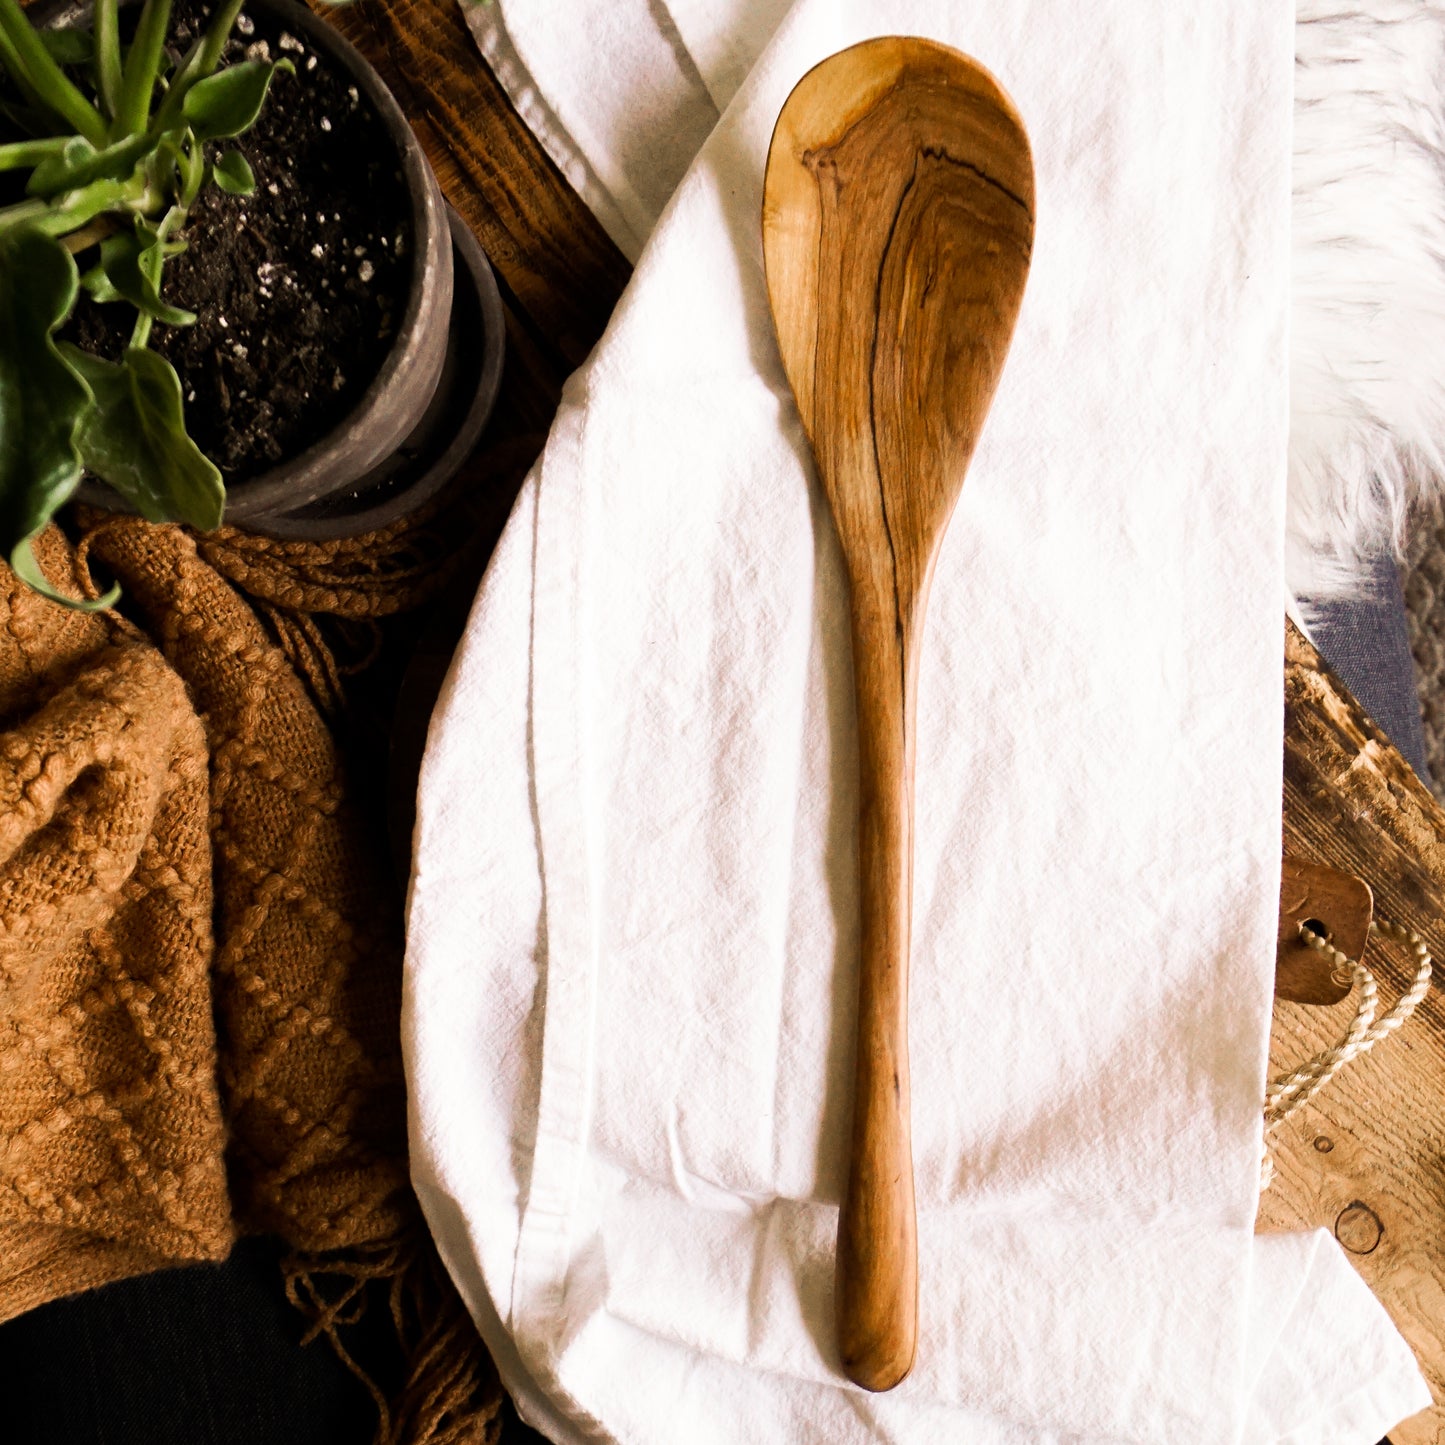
(877, 1268)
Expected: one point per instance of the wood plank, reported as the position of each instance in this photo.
(552, 258)
(1366, 1159)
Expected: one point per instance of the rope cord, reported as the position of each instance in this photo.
(1288, 1094)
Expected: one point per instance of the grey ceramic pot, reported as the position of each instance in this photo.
(400, 393)
(429, 463)
(402, 390)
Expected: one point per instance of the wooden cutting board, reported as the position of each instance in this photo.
(1367, 1159)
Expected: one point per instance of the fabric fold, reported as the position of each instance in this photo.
(111, 1136)
(656, 931)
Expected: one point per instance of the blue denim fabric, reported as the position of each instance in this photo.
(1367, 646)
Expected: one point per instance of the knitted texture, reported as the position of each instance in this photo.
(110, 1122)
(178, 844)
(307, 970)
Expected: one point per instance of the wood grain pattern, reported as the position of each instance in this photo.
(897, 227)
(1366, 1159)
(1371, 1149)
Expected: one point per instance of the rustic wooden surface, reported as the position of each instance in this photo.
(1335, 906)
(898, 205)
(1367, 1159)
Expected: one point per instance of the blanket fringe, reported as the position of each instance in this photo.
(450, 1394)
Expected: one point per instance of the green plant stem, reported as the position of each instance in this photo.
(21, 153)
(151, 262)
(193, 175)
(10, 60)
(120, 157)
(21, 213)
(218, 32)
(42, 72)
(202, 59)
(142, 66)
(132, 194)
(107, 55)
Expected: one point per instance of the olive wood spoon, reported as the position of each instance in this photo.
(897, 226)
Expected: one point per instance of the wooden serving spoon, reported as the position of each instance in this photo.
(897, 226)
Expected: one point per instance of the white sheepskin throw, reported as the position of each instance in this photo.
(1368, 342)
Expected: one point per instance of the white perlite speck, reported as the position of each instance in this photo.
(261, 50)
(366, 270)
(245, 25)
(289, 42)
(325, 123)
(318, 250)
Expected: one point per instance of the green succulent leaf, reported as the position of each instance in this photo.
(21, 154)
(134, 437)
(79, 164)
(69, 47)
(227, 103)
(108, 61)
(40, 80)
(74, 153)
(129, 262)
(142, 68)
(42, 397)
(27, 569)
(98, 285)
(233, 173)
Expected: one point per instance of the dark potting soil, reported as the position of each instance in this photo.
(299, 287)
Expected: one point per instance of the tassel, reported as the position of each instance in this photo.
(450, 1393)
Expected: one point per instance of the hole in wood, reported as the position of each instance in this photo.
(1315, 926)
(1358, 1228)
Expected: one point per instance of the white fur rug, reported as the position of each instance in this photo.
(1368, 347)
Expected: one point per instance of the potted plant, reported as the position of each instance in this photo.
(221, 251)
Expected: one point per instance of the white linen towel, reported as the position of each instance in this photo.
(1367, 322)
(632, 944)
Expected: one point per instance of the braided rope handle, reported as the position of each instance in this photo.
(1290, 1092)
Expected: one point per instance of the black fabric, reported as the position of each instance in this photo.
(201, 1356)
(1366, 643)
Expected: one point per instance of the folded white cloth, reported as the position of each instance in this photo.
(632, 940)
(1367, 323)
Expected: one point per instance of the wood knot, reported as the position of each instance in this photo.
(1358, 1228)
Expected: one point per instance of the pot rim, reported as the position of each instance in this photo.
(474, 272)
(283, 487)
(277, 486)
